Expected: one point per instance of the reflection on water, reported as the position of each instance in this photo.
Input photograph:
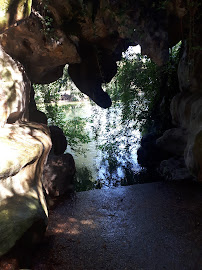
(110, 158)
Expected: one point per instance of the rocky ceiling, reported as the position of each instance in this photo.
(90, 36)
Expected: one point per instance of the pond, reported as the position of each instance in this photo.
(110, 158)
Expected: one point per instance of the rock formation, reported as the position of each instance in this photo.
(14, 90)
(24, 151)
(185, 107)
(59, 171)
(34, 114)
(58, 175)
(59, 141)
(88, 35)
(38, 38)
(24, 148)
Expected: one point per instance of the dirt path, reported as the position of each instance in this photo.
(146, 227)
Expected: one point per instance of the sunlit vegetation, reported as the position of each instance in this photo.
(141, 93)
(137, 87)
(47, 97)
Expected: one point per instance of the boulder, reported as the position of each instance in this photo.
(59, 141)
(150, 154)
(58, 174)
(22, 205)
(187, 113)
(173, 141)
(174, 169)
(14, 90)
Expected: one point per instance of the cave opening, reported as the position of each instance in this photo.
(151, 102)
(104, 142)
(112, 147)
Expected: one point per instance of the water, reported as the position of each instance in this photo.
(110, 158)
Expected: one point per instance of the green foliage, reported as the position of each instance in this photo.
(135, 86)
(83, 179)
(141, 94)
(47, 20)
(115, 142)
(137, 92)
(140, 86)
(47, 97)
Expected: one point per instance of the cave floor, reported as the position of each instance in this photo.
(145, 226)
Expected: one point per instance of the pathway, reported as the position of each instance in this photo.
(154, 226)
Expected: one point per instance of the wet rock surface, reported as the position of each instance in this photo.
(148, 226)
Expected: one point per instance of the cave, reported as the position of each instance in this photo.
(37, 40)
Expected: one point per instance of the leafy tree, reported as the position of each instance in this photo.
(140, 86)
(135, 88)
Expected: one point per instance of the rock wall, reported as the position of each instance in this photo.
(186, 107)
(14, 90)
(22, 204)
(88, 35)
(24, 149)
